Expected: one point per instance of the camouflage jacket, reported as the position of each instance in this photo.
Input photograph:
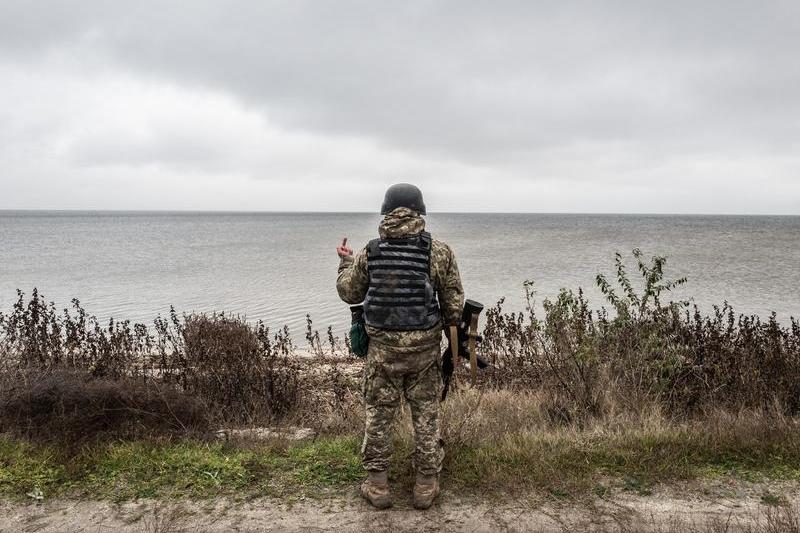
(353, 282)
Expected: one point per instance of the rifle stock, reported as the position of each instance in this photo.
(465, 344)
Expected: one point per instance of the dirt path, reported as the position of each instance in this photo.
(740, 508)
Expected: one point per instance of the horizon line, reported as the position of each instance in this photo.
(326, 212)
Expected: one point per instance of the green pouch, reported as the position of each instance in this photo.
(359, 340)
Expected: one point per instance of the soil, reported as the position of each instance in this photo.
(721, 506)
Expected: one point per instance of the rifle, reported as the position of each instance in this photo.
(463, 339)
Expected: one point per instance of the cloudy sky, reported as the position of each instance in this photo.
(640, 106)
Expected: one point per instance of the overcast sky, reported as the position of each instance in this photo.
(639, 106)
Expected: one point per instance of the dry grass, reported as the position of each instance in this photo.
(496, 443)
(166, 519)
(511, 441)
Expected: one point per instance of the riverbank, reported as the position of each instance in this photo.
(580, 408)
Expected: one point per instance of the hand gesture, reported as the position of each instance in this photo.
(343, 250)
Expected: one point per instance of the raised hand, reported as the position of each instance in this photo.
(343, 250)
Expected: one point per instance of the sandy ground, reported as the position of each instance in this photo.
(668, 509)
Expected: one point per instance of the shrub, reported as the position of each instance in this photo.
(645, 350)
(240, 371)
(642, 353)
(34, 335)
(71, 406)
(236, 369)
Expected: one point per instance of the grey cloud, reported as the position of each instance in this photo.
(178, 151)
(560, 93)
(478, 82)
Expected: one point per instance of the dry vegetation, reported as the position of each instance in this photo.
(577, 401)
(645, 352)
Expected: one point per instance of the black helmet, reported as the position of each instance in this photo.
(403, 195)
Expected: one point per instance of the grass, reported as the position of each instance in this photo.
(573, 465)
(564, 462)
(774, 500)
(176, 468)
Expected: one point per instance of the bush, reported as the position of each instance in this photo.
(643, 351)
(236, 369)
(71, 406)
(34, 335)
(241, 372)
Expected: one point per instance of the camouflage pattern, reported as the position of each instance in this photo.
(404, 364)
(385, 383)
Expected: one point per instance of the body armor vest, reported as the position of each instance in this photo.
(400, 294)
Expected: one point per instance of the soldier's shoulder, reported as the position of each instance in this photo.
(441, 248)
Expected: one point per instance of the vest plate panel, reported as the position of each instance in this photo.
(400, 294)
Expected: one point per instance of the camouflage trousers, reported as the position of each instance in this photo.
(388, 378)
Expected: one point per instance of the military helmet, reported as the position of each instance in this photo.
(403, 195)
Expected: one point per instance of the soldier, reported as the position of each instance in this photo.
(411, 290)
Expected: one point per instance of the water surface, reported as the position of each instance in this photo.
(280, 266)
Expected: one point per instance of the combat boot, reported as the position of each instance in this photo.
(375, 489)
(425, 491)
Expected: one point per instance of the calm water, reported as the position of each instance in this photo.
(278, 267)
